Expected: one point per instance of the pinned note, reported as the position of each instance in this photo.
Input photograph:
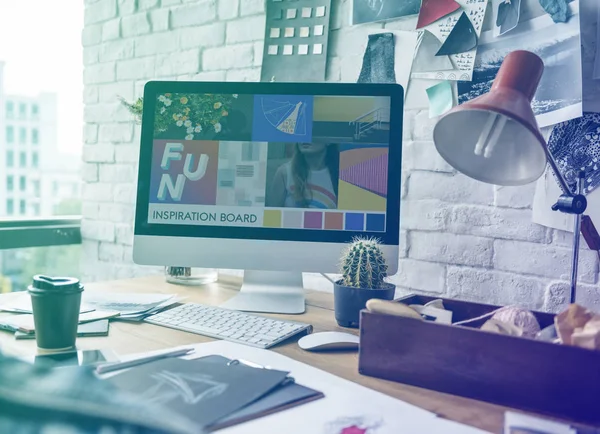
(441, 98)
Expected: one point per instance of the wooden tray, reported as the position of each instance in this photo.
(552, 379)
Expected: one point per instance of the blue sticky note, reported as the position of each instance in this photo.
(355, 221)
(441, 98)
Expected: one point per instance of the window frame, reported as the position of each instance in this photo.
(40, 232)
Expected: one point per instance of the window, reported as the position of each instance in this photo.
(10, 183)
(10, 159)
(10, 206)
(36, 209)
(22, 206)
(55, 186)
(36, 188)
(34, 136)
(10, 109)
(22, 110)
(35, 111)
(22, 135)
(23, 159)
(34, 160)
(22, 183)
(10, 134)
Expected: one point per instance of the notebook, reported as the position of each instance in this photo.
(94, 328)
(205, 391)
(283, 397)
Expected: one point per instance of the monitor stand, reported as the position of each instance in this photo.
(269, 292)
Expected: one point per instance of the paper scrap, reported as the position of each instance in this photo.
(426, 58)
(433, 10)
(461, 39)
(462, 62)
(405, 43)
(559, 93)
(441, 99)
(557, 9)
(505, 14)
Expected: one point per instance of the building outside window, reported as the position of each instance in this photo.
(35, 136)
(10, 109)
(10, 159)
(10, 183)
(22, 110)
(22, 206)
(34, 160)
(36, 209)
(23, 159)
(10, 134)
(35, 110)
(22, 135)
(22, 183)
(10, 206)
(55, 187)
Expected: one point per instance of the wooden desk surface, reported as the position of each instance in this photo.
(126, 338)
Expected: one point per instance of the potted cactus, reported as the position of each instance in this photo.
(364, 270)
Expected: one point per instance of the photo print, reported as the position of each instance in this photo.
(505, 15)
(454, 38)
(575, 146)
(559, 94)
(368, 11)
(303, 175)
(242, 173)
(282, 118)
(351, 119)
(296, 40)
(185, 116)
(184, 172)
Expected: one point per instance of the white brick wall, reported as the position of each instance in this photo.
(460, 238)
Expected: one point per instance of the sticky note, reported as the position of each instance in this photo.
(441, 98)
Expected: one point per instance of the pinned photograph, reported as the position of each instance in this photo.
(368, 11)
(506, 14)
(559, 94)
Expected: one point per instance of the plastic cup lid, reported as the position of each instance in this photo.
(55, 283)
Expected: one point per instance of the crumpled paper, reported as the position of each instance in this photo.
(579, 327)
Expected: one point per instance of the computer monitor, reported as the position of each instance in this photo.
(272, 178)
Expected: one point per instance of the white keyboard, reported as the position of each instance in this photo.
(231, 325)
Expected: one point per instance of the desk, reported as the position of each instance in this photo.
(126, 338)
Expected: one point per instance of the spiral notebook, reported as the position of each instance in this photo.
(213, 391)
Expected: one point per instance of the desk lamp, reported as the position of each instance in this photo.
(495, 138)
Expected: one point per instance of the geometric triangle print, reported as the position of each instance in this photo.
(370, 175)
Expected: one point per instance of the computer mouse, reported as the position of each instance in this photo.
(327, 341)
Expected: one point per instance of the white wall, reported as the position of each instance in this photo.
(460, 238)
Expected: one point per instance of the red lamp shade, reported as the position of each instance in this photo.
(495, 138)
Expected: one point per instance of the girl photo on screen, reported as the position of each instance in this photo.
(309, 179)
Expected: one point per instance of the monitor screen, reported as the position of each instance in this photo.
(221, 163)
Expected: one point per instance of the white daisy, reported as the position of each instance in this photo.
(162, 110)
(189, 137)
(162, 98)
(190, 130)
(217, 127)
(197, 129)
(179, 123)
(235, 95)
(188, 123)
(167, 102)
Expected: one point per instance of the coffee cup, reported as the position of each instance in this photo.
(56, 302)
